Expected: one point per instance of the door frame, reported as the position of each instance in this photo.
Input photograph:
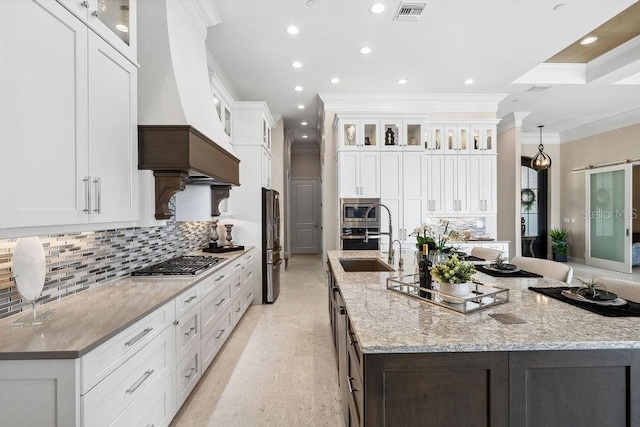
(294, 217)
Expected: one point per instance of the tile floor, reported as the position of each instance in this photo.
(278, 366)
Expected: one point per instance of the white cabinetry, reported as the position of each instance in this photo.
(403, 190)
(266, 168)
(433, 172)
(483, 182)
(358, 173)
(456, 184)
(68, 140)
(483, 139)
(456, 139)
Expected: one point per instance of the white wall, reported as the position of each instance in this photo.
(509, 189)
(305, 164)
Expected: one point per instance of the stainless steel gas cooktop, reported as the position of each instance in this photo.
(185, 265)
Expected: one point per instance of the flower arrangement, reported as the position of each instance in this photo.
(435, 236)
(453, 271)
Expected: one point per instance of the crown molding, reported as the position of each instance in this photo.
(203, 13)
(256, 106)
(618, 121)
(512, 120)
(410, 103)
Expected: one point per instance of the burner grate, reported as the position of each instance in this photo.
(187, 265)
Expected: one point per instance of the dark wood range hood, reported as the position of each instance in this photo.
(181, 155)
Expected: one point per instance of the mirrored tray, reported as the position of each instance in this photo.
(480, 296)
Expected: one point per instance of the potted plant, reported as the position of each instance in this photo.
(453, 275)
(559, 244)
(591, 288)
(435, 236)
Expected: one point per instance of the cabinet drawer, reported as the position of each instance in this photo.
(247, 267)
(102, 405)
(213, 340)
(212, 282)
(355, 384)
(155, 407)
(247, 294)
(354, 348)
(103, 360)
(188, 373)
(186, 300)
(236, 266)
(237, 309)
(213, 305)
(187, 332)
(236, 283)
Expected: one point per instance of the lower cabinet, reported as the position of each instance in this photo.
(188, 373)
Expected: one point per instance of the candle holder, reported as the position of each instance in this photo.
(229, 237)
(214, 233)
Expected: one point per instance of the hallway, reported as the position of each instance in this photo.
(278, 366)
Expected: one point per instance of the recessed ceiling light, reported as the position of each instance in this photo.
(303, 123)
(377, 8)
(301, 107)
(296, 64)
(298, 88)
(122, 27)
(588, 40)
(558, 6)
(305, 136)
(335, 80)
(365, 50)
(402, 81)
(292, 30)
(468, 81)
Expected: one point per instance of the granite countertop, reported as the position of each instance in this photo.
(388, 322)
(84, 321)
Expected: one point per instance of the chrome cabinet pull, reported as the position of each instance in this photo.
(249, 295)
(220, 334)
(191, 329)
(95, 13)
(138, 337)
(85, 4)
(220, 278)
(238, 309)
(351, 389)
(138, 383)
(238, 265)
(191, 298)
(98, 187)
(87, 195)
(220, 302)
(191, 372)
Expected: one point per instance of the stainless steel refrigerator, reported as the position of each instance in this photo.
(270, 245)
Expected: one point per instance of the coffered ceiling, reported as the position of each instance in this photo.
(495, 43)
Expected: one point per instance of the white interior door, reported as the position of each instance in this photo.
(609, 217)
(305, 206)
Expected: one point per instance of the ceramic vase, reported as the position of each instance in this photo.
(460, 290)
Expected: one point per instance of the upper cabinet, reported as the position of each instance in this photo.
(68, 138)
(483, 139)
(113, 20)
(456, 139)
(358, 134)
(391, 134)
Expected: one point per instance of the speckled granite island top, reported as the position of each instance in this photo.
(389, 322)
(84, 321)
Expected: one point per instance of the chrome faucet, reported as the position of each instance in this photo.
(400, 260)
(390, 232)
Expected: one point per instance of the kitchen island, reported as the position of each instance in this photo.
(409, 362)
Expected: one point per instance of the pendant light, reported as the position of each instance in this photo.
(542, 160)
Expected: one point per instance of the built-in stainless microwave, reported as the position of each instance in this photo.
(352, 212)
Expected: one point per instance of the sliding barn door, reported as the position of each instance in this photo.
(609, 217)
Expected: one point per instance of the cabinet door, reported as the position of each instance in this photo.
(449, 179)
(369, 132)
(391, 134)
(348, 179)
(349, 135)
(476, 143)
(489, 142)
(415, 195)
(416, 136)
(437, 142)
(462, 183)
(391, 192)
(370, 174)
(266, 169)
(476, 174)
(43, 130)
(113, 151)
(490, 183)
(434, 174)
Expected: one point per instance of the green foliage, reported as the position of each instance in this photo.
(589, 288)
(559, 241)
(453, 271)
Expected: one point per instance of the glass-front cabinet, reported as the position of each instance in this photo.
(456, 139)
(391, 134)
(370, 133)
(113, 20)
(348, 133)
(266, 134)
(436, 143)
(358, 135)
(482, 139)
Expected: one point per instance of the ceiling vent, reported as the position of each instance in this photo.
(410, 11)
(538, 88)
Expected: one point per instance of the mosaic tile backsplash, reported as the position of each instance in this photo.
(77, 261)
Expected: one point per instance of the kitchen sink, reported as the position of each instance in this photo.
(362, 265)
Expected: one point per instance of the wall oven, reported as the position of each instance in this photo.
(352, 224)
